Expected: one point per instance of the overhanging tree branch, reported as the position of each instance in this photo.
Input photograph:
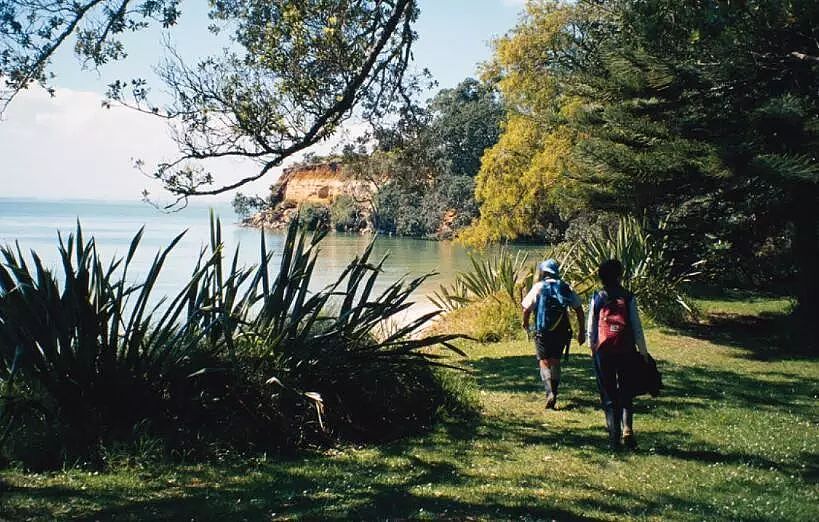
(293, 74)
(285, 94)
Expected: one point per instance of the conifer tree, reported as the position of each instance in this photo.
(708, 111)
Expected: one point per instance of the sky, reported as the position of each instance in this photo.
(69, 147)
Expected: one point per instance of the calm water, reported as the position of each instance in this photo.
(34, 224)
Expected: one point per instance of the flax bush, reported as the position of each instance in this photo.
(240, 357)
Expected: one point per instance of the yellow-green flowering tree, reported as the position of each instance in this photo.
(520, 174)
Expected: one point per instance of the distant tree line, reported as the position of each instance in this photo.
(421, 168)
(425, 164)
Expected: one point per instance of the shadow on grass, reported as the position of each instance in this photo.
(426, 487)
(520, 374)
(705, 387)
(406, 481)
(686, 387)
(765, 336)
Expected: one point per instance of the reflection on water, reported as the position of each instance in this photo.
(34, 224)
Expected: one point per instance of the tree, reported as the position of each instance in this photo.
(424, 164)
(31, 31)
(520, 174)
(705, 113)
(245, 206)
(293, 75)
(709, 112)
(465, 122)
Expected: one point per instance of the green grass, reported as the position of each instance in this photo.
(734, 437)
(739, 302)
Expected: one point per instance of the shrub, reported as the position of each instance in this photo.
(239, 357)
(650, 271)
(496, 276)
(363, 385)
(95, 350)
(398, 210)
(314, 216)
(486, 320)
(344, 214)
(484, 302)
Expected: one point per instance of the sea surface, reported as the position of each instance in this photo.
(35, 224)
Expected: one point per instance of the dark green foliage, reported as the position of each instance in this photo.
(449, 205)
(706, 113)
(241, 357)
(397, 210)
(96, 349)
(650, 270)
(466, 121)
(314, 216)
(426, 163)
(245, 206)
(345, 214)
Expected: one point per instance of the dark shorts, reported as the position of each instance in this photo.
(550, 345)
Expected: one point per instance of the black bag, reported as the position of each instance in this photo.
(645, 379)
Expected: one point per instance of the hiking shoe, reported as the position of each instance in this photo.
(629, 440)
(614, 443)
(551, 400)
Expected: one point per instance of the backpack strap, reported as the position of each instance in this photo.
(598, 298)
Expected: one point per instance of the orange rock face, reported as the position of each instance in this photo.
(321, 184)
(314, 183)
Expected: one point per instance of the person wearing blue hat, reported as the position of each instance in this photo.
(550, 298)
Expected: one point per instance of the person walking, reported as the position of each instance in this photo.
(614, 330)
(550, 298)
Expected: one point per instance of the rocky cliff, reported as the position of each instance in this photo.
(318, 184)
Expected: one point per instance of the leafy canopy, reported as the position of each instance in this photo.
(424, 164)
(705, 113)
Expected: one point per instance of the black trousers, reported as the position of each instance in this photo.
(551, 345)
(613, 382)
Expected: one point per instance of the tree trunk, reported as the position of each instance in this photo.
(806, 254)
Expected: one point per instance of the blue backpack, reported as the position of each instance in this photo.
(551, 308)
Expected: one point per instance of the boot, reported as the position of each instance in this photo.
(613, 426)
(554, 384)
(628, 431)
(546, 377)
(551, 400)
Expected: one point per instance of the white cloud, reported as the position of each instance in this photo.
(68, 146)
(71, 147)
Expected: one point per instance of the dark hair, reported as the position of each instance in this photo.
(610, 272)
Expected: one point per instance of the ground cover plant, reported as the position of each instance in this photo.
(241, 358)
(483, 301)
(650, 270)
(496, 275)
(733, 437)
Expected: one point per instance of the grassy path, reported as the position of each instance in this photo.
(735, 437)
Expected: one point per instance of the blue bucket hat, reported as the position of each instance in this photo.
(550, 267)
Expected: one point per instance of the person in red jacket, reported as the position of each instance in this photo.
(614, 330)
